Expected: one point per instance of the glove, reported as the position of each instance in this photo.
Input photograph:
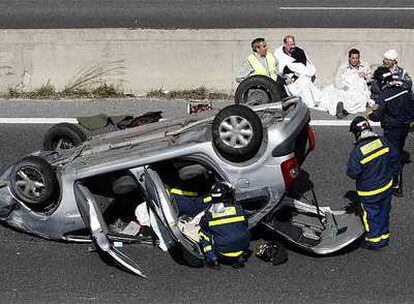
(211, 260)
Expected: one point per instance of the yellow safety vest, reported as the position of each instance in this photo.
(259, 69)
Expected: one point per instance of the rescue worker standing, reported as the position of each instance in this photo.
(394, 108)
(224, 233)
(372, 163)
(259, 62)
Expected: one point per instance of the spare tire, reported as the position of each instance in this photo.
(258, 89)
(237, 133)
(63, 136)
(33, 181)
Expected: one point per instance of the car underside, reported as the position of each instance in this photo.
(103, 182)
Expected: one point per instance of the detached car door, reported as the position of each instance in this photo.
(93, 219)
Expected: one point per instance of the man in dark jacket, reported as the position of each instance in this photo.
(372, 164)
(224, 233)
(395, 110)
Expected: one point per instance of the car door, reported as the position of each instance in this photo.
(94, 221)
(168, 214)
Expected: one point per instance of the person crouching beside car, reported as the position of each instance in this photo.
(372, 163)
(224, 233)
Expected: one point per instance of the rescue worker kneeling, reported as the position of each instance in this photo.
(372, 163)
(224, 233)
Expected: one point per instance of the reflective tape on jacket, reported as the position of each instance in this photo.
(207, 248)
(182, 192)
(374, 155)
(204, 236)
(207, 199)
(226, 212)
(259, 69)
(226, 221)
(376, 191)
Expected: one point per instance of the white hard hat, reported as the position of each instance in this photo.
(391, 54)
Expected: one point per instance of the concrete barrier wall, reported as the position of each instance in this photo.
(142, 60)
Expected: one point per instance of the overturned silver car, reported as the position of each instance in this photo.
(77, 194)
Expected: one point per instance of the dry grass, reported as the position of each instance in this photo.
(48, 91)
(200, 93)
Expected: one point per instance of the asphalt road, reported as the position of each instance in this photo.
(206, 14)
(34, 270)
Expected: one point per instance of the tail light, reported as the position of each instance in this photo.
(290, 170)
(311, 136)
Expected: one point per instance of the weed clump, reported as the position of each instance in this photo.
(48, 91)
(200, 93)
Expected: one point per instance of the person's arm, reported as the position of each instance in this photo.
(206, 241)
(379, 111)
(375, 90)
(407, 82)
(244, 71)
(339, 82)
(310, 67)
(354, 167)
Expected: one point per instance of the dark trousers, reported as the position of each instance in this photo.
(396, 136)
(376, 218)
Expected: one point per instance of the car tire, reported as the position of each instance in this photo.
(266, 90)
(33, 181)
(237, 133)
(63, 136)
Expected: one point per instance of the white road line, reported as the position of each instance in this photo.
(36, 120)
(345, 8)
(337, 123)
(320, 122)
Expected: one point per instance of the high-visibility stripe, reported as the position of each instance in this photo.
(207, 248)
(396, 95)
(181, 192)
(204, 236)
(226, 212)
(369, 147)
(226, 221)
(207, 199)
(374, 155)
(377, 191)
(365, 219)
(232, 254)
(378, 239)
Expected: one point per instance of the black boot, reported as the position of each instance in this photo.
(340, 110)
(405, 155)
(398, 185)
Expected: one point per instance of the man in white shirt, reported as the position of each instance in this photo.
(349, 93)
(298, 70)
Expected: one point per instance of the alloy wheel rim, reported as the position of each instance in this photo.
(236, 132)
(30, 182)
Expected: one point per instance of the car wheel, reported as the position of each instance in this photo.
(63, 136)
(237, 133)
(33, 181)
(257, 90)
